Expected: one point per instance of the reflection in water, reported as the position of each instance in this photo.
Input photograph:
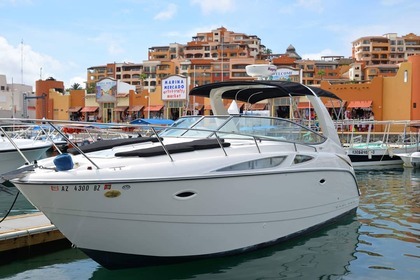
(389, 214)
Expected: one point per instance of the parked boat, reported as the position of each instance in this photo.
(205, 186)
(371, 149)
(410, 159)
(15, 152)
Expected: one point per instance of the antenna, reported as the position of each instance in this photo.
(21, 61)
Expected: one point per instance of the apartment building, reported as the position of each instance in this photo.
(331, 68)
(381, 55)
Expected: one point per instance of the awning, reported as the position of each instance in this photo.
(304, 105)
(120, 108)
(136, 108)
(258, 106)
(334, 103)
(74, 109)
(154, 108)
(360, 104)
(89, 109)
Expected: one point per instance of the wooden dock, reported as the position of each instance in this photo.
(27, 235)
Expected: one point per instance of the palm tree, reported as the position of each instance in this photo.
(321, 73)
(76, 86)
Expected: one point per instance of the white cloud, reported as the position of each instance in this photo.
(110, 42)
(168, 13)
(218, 6)
(326, 52)
(15, 60)
(391, 2)
(313, 5)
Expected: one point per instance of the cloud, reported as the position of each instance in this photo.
(18, 60)
(391, 2)
(316, 56)
(314, 5)
(212, 6)
(111, 42)
(167, 14)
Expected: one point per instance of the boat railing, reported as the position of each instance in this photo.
(292, 133)
(394, 132)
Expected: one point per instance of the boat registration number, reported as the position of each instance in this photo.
(361, 152)
(80, 188)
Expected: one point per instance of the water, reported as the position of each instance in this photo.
(382, 241)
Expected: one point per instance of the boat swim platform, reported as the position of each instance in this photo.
(27, 235)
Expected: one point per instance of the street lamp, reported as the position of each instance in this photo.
(148, 104)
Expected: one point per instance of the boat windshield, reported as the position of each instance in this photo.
(241, 126)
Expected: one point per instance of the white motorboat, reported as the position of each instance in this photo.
(396, 139)
(16, 152)
(206, 186)
(377, 154)
(410, 159)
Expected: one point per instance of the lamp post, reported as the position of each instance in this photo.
(148, 105)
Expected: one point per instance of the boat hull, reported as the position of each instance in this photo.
(173, 220)
(12, 159)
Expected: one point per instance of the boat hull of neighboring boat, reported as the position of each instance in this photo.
(410, 159)
(11, 159)
(188, 218)
(377, 156)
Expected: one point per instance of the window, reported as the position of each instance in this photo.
(255, 164)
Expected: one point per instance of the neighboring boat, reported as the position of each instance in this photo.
(377, 154)
(206, 186)
(365, 153)
(410, 159)
(21, 151)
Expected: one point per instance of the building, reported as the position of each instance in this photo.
(331, 68)
(15, 99)
(389, 98)
(381, 55)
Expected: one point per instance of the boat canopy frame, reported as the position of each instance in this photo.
(255, 91)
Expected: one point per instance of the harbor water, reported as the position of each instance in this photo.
(381, 241)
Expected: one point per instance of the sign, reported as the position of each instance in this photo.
(106, 90)
(174, 88)
(284, 74)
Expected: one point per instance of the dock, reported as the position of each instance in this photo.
(27, 235)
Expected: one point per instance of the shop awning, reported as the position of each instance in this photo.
(304, 105)
(74, 109)
(136, 108)
(154, 108)
(120, 108)
(89, 109)
(360, 104)
(334, 103)
(258, 106)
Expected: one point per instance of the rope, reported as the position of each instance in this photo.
(11, 207)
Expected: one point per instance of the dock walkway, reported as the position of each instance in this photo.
(27, 234)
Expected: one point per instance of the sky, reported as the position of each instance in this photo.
(61, 39)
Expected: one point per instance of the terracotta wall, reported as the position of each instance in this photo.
(360, 92)
(415, 89)
(397, 94)
(44, 108)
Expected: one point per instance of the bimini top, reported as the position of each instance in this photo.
(254, 91)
